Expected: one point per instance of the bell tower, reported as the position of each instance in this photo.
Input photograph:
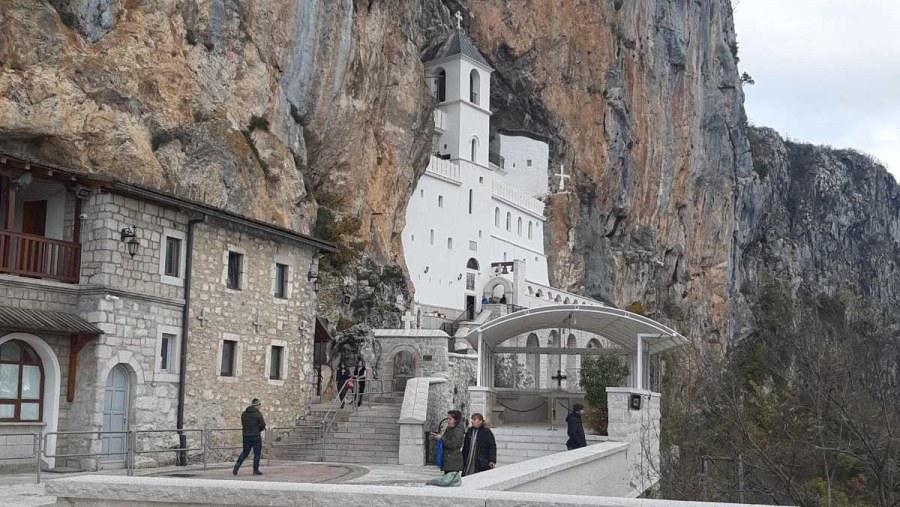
(460, 79)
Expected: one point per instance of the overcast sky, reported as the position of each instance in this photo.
(826, 71)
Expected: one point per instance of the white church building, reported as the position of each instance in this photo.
(475, 223)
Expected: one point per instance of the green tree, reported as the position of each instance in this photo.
(598, 373)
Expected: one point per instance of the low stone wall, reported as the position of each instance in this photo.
(121, 491)
(639, 428)
(420, 406)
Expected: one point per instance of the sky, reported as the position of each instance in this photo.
(826, 71)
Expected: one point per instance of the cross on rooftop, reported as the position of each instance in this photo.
(458, 16)
(562, 177)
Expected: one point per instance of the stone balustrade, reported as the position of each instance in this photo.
(514, 197)
(444, 169)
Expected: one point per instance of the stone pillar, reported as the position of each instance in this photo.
(640, 428)
(483, 400)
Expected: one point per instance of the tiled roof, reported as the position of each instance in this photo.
(23, 319)
(457, 43)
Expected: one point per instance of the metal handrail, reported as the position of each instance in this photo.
(35, 451)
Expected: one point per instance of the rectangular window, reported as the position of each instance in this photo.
(281, 279)
(229, 353)
(431, 237)
(440, 201)
(276, 354)
(449, 243)
(528, 162)
(235, 261)
(173, 257)
(473, 245)
(167, 352)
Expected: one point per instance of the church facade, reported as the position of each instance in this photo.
(126, 308)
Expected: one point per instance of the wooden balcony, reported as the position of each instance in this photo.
(39, 257)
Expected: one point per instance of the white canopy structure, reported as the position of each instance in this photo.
(634, 335)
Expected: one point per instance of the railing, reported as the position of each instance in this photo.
(39, 257)
(517, 198)
(496, 159)
(444, 169)
(34, 445)
(453, 326)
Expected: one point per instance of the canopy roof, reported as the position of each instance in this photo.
(618, 326)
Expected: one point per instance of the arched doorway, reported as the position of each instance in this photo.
(116, 402)
(404, 363)
(533, 362)
(471, 272)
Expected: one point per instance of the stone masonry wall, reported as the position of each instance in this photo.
(641, 430)
(216, 401)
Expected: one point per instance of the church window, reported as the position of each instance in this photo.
(470, 201)
(496, 217)
(440, 201)
(472, 263)
(431, 237)
(235, 265)
(529, 229)
(172, 257)
(508, 221)
(519, 226)
(281, 281)
(412, 237)
(528, 162)
(440, 86)
(167, 347)
(276, 362)
(173, 249)
(227, 367)
(504, 256)
(481, 179)
(473, 245)
(422, 193)
(474, 86)
(474, 149)
(21, 383)
(479, 233)
(449, 243)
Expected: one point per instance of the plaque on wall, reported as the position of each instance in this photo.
(426, 357)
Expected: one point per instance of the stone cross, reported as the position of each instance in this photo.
(202, 318)
(408, 318)
(562, 177)
(458, 17)
(257, 323)
(559, 377)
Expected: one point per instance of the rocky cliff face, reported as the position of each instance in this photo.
(316, 110)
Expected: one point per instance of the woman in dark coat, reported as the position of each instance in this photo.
(480, 448)
(359, 378)
(342, 377)
(452, 440)
(576, 429)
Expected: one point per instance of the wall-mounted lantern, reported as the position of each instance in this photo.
(129, 237)
(313, 274)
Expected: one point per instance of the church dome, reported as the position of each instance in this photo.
(458, 43)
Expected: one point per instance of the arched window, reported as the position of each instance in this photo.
(474, 149)
(474, 86)
(508, 221)
(594, 344)
(529, 229)
(472, 264)
(440, 86)
(519, 226)
(21, 383)
(533, 361)
(470, 201)
(496, 217)
(566, 301)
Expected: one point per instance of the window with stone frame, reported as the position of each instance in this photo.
(281, 280)
(235, 267)
(172, 265)
(276, 367)
(166, 360)
(172, 257)
(228, 367)
(21, 383)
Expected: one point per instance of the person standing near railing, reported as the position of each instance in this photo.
(359, 378)
(342, 377)
(252, 426)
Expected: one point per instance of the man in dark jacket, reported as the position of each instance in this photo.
(252, 425)
(576, 430)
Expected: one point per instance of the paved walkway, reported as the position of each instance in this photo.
(21, 491)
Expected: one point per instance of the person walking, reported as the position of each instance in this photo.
(343, 386)
(576, 429)
(252, 425)
(452, 441)
(479, 448)
(359, 378)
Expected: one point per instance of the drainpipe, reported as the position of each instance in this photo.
(185, 324)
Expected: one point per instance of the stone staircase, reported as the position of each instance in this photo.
(369, 434)
(520, 443)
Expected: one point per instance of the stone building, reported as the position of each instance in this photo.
(126, 308)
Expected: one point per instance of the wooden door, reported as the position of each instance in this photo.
(34, 217)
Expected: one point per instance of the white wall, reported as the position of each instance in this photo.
(517, 151)
(464, 120)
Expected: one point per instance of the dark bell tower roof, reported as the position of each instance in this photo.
(458, 43)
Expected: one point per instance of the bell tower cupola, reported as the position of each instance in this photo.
(460, 80)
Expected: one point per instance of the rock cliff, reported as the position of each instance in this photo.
(314, 114)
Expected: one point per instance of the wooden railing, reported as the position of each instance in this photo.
(39, 257)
